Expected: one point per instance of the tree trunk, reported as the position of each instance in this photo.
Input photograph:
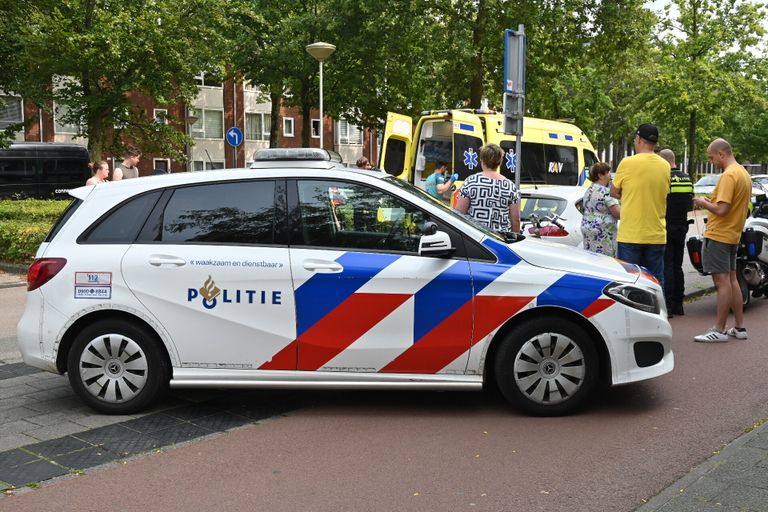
(691, 141)
(275, 97)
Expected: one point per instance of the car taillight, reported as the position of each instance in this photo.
(42, 270)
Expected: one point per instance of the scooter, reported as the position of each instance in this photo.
(751, 256)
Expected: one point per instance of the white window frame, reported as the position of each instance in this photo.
(166, 160)
(264, 132)
(5, 98)
(199, 132)
(315, 132)
(347, 140)
(57, 128)
(163, 119)
(286, 132)
(205, 165)
(201, 78)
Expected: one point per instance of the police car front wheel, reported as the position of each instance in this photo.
(116, 367)
(547, 366)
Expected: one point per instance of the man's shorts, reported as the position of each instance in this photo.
(717, 257)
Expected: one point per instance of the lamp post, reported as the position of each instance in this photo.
(190, 119)
(320, 51)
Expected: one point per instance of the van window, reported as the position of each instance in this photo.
(395, 160)
(544, 163)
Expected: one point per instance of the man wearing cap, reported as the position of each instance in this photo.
(642, 183)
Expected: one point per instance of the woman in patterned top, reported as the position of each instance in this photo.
(488, 197)
(601, 212)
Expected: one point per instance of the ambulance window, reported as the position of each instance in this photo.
(394, 160)
(464, 163)
(589, 158)
(561, 165)
(533, 161)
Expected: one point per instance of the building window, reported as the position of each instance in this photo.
(208, 80)
(161, 115)
(288, 126)
(316, 128)
(61, 123)
(257, 125)
(161, 166)
(11, 111)
(201, 165)
(209, 124)
(348, 133)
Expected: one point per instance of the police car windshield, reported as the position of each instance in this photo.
(456, 215)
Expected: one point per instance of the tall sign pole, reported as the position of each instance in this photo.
(515, 55)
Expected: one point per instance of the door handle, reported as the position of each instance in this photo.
(161, 259)
(324, 266)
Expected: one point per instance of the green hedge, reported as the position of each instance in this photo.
(23, 226)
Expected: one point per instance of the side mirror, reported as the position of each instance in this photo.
(436, 244)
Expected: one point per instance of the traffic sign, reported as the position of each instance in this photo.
(234, 136)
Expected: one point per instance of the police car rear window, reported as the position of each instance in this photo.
(63, 218)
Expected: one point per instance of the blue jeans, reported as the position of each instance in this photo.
(650, 256)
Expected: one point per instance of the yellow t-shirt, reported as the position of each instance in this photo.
(734, 188)
(644, 181)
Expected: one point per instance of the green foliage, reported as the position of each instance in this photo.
(24, 225)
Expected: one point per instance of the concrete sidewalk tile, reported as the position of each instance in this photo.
(100, 420)
(152, 423)
(16, 381)
(58, 381)
(12, 403)
(15, 441)
(16, 427)
(20, 390)
(16, 457)
(56, 393)
(53, 418)
(738, 465)
(59, 404)
(87, 458)
(742, 496)
(55, 447)
(690, 504)
(705, 488)
(16, 413)
(760, 441)
(52, 432)
(31, 472)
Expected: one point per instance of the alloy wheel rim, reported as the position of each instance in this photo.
(113, 368)
(549, 368)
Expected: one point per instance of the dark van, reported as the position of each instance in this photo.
(42, 170)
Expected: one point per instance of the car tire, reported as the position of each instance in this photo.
(547, 366)
(117, 367)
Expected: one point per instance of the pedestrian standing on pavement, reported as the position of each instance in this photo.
(679, 203)
(363, 163)
(642, 183)
(100, 172)
(601, 212)
(727, 213)
(127, 168)
(489, 198)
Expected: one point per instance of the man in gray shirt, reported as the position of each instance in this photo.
(127, 169)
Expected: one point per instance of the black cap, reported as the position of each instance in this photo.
(648, 132)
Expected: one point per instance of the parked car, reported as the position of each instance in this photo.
(562, 200)
(706, 185)
(290, 278)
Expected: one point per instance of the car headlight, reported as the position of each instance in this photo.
(633, 296)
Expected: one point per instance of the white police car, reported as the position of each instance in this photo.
(286, 278)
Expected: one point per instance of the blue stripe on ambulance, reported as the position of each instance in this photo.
(573, 292)
(466, 127)
(315, 298)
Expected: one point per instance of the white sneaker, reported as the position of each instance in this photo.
(711, 336)
(740, 333)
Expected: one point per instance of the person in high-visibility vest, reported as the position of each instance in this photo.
(679, 203)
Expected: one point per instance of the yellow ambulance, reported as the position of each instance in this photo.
(553, 152)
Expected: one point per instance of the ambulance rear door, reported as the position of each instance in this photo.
(396, 147)
(467, 140)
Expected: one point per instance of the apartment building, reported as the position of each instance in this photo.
(218, 107)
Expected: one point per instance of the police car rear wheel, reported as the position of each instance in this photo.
(116, 367)
(547, 367)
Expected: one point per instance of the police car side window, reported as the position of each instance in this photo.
(121, 225)
(344, 215)
(235, 213)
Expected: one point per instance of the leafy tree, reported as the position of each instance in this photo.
(707, 67)
(96, 56)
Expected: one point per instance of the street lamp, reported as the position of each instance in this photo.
(190, 118)
(320, 51)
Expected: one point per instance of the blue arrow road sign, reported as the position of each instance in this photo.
(234, 136)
